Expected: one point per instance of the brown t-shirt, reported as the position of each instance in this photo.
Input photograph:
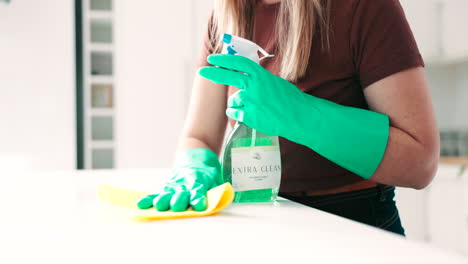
(370, 40)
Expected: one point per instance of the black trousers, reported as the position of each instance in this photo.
(373, 206)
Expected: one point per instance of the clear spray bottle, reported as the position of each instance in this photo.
(251, 160)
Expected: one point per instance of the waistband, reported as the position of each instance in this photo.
(381, 192)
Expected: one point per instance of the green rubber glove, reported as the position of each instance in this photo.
(196, 171)
(353, 138)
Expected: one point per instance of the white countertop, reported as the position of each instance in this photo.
(56, 217)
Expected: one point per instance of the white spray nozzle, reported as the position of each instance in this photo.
(243, 47)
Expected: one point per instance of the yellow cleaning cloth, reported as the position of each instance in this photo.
(124, 203)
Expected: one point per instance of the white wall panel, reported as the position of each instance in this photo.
(37, 102)
(156, 45)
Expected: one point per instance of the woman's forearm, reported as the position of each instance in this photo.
(412, 151)
(407, 162)
(206, 120)
(192, 142)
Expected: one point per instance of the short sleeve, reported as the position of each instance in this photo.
(207, 46)
(382, 42)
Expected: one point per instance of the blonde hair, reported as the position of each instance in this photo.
(296, 22)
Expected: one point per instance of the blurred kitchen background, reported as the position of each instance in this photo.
(104, 84)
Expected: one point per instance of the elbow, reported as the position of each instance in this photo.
(426, 176)
(429, 163)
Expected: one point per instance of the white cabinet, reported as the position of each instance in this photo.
(438, 214)
(424, 17)
(464, 231)
(446, 218)
(412, 207)
(439, 27)
(455, 32)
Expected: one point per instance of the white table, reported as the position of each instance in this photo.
(57, 218)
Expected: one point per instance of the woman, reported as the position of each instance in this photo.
(346, 93)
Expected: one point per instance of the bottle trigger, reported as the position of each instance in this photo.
(231, 50)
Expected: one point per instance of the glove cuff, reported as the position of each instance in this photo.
(203, 160)
(197, 155)
(354, 138)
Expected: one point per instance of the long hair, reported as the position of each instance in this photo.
(295, 29)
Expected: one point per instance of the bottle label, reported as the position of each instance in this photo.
(255, 168)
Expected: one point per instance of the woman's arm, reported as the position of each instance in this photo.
(196, 167)
(206, 120)
(412, 153)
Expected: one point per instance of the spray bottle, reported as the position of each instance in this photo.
(251, 160)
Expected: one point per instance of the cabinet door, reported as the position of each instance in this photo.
(154, 45)
(424, 17)
(412, 207)
(445, 211)
(455, 35)
(464, 208)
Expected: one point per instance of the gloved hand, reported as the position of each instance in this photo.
(196, 171)
(351, 137)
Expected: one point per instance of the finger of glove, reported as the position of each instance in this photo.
(234, 62)
(198, 200)
(162, 202)
(224, 76)
(236, 114)
(180, 200)
(147, 201)
(236, 100)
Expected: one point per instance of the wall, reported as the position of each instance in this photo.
(37, 84)
(461, 84)
(443, 92)
(156, 45)
(448, 84)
